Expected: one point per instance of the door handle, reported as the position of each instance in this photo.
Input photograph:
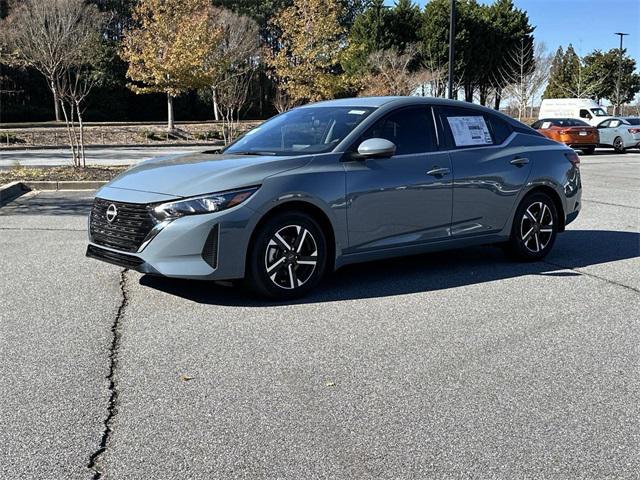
(438, 172)
(519, 162)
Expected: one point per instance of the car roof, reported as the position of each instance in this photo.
(376, 102)
(400, 101)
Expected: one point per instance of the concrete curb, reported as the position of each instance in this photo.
(208, 146)
(65, 185)
(13, 190)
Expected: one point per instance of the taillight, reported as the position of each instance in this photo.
(573, 158)
(634, 130)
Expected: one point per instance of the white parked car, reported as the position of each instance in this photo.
(620, 133)
(581, 108)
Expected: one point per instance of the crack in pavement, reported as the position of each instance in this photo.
(611, 204)
(588, 274)
(96, 460)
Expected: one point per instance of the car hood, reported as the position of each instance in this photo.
(200, 173)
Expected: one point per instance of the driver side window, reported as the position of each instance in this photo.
(585, 114)
(410, 129)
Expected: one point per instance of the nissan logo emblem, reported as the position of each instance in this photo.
(112, 213)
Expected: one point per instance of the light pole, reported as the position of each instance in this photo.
(617, 105)
(452, 48)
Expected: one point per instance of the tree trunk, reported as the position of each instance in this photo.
(170, 120)
(483, 95)
(468, 93)
(214, 98)
(498, 97)
(56, 100)
(83, 158)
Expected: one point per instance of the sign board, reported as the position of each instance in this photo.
(470, 131)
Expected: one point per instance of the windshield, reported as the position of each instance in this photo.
(302, 130)
(598, 112)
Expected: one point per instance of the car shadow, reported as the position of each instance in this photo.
(428, 272)
(63, 203)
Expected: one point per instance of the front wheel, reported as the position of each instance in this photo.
(287, 257)
(535, 227)
(618, 145)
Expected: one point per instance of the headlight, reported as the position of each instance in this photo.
(213, 202)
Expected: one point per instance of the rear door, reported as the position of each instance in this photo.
(404, 199)
(488, 172)
(606, 132)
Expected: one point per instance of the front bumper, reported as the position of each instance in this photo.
(208, 247)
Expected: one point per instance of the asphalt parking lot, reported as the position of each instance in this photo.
(452, 365)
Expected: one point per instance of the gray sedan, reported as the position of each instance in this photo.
(620, 133)
(339, 182)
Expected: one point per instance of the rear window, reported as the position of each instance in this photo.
(566, 122)
(633, 121)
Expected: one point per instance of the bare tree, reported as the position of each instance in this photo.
(581, 86)
(58, 38)
(436, 86)
(282, 100)
(40, 34)
(232, 64)
(526, 73)
(391, 73)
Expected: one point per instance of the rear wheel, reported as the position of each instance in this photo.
(534, 228)
(618, 145)
(588, 150)
(288, 256)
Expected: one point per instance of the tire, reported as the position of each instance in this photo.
(287, 257)
(588, 150)
(531, 241)
(618, 145)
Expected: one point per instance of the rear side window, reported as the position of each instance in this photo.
(410, 129)
(466, 128)
(500, 129)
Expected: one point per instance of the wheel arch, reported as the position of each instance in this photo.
(308, 208)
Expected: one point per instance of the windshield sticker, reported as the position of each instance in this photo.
(545, 124)
(470, 131)
(357, 112)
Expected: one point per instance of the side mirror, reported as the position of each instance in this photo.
(376, 148)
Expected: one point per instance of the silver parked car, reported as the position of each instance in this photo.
(339, 182)
(620, 133)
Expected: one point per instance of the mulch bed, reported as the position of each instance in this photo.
(26, 174)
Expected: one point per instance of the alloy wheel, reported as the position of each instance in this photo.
(536, 227)
(618, 145)
(291, 257)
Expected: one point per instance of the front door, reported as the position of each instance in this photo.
(404, 199)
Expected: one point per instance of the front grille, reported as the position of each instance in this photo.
(120, 259)
(128, 229)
